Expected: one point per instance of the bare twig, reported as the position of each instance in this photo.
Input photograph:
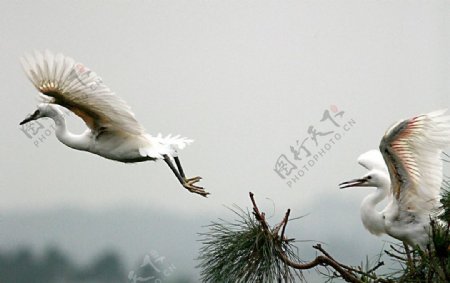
(282, 224)
(259, 216)
(322, 260)
(349, 268)
(396, 250)
(395, 256)
(286, 217)
(373, 269)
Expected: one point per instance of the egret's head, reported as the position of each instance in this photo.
(43, 110)
(374, 178)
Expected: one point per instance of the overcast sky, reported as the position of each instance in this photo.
(246, 80)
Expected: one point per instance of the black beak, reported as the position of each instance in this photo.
(31, 117)
(28, 119)
(352, 183)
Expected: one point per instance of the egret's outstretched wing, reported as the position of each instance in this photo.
(63, 81)
(373, 159)
(412, 150)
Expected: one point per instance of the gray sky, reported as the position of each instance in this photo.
(245, 80)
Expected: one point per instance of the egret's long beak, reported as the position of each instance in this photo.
(353, 183)
(30, 117)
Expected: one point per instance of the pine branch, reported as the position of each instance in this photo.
(253, 251)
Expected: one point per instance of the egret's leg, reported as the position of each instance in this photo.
(180, 169)
(187, 183)
(174, 170)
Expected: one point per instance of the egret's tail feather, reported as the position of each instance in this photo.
(175, 142)
(160, 146)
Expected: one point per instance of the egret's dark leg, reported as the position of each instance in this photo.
(187, 183)
(181, 171)
(174, 170)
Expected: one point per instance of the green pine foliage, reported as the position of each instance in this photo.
(248, 250)
(242, 251)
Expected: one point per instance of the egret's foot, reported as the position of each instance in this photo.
(189, 185)
(193, 180)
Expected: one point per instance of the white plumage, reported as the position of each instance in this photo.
(411, 150)
(113, 131)
(373, 160)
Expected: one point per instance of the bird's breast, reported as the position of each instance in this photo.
(123, 149)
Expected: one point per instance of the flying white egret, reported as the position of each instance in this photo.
(113, 131)
(411, 149)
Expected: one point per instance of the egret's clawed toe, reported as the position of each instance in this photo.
(193, 180)
(189, 185)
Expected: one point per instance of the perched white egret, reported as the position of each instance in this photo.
(113, 131)
(378, 176)
(411, 150)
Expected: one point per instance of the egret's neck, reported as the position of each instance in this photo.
(80, 142)
(372, 219)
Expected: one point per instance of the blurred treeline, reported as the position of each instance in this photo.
(23, 265)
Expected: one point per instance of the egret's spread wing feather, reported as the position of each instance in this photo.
(412, 150)
(74, 86)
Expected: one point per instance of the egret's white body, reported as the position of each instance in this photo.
(377, 176)
(113, 132)
(410, 177)
(123, 148)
